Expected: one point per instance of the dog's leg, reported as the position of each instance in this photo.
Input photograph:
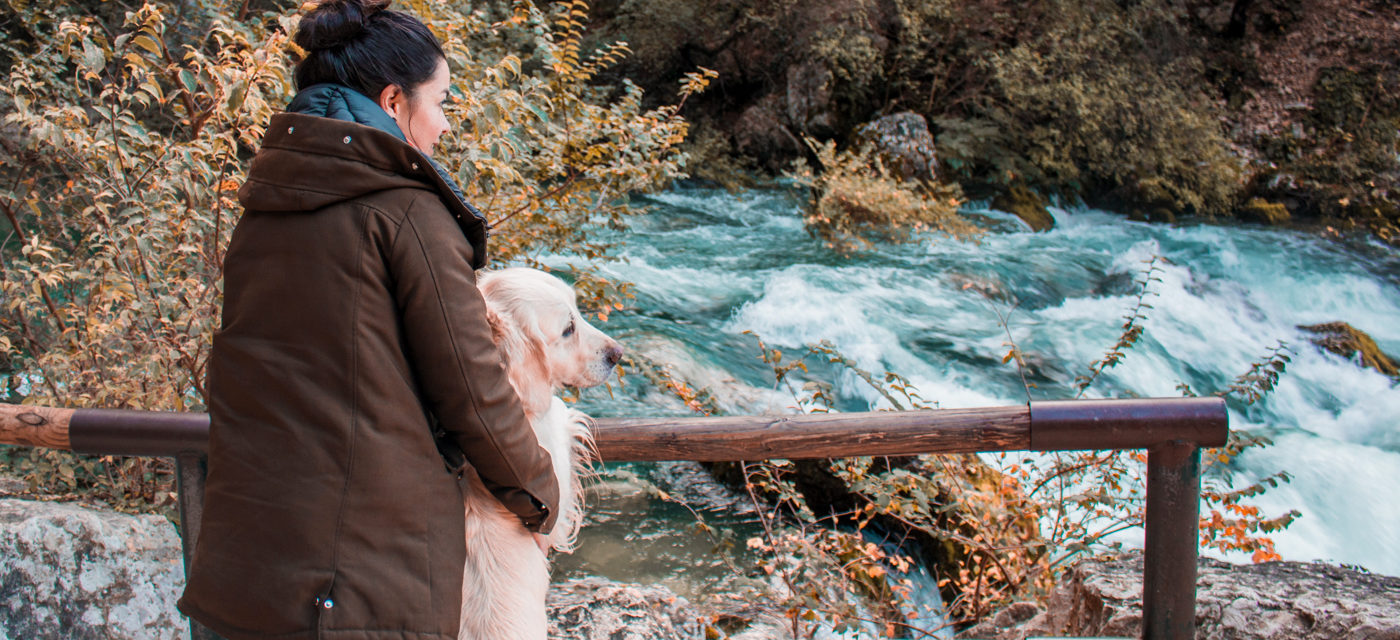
(506, 578)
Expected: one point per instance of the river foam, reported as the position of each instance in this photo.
(709, 265)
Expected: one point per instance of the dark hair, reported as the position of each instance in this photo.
(365, 46)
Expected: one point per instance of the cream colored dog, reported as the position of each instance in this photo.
(547, 345)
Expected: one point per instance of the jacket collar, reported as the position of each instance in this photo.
(339, 102)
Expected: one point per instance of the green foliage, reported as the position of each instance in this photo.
(845, 47)
(1103, 100)
(122, 148)
(855, 198)
(1346, 157)
(1091, 111)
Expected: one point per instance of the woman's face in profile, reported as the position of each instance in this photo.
(421, 117)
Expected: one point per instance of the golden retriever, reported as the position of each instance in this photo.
(546, 345)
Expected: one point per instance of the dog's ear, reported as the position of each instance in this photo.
(526, 365)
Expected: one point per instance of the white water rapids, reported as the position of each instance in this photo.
(708, 265)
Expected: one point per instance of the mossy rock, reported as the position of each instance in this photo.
(1348, 341)
(1027, 205)
(1260, 210)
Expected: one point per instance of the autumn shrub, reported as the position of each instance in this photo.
(841, 540)
(122, 147)
(971, 524)
(855, 198)
(121, 156)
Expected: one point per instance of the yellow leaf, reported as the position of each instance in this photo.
(146, 42)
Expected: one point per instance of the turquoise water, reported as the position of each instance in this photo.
(708, 265)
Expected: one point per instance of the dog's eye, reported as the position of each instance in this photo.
(569, 330)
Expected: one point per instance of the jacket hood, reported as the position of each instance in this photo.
(335, 144)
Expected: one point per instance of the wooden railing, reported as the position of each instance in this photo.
(1172, 430)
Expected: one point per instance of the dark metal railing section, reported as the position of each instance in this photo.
(1172, 430)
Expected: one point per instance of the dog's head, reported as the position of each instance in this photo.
(544, 339)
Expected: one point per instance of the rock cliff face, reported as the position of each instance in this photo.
(1271, 601)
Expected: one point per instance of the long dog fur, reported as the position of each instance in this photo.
(546, 344)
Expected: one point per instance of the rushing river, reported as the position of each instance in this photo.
(709, 265)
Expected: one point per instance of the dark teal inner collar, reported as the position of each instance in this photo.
(340, 102)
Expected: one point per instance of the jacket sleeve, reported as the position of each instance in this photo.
(457, 366)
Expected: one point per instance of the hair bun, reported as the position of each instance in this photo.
(332, 23)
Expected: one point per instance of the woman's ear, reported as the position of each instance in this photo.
(393, 101)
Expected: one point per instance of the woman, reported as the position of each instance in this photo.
(352, 331)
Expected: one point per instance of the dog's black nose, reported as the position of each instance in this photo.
(612, 354)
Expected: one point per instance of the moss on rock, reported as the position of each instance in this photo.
(1027, 205)
(1260, 210)
(1348, 341)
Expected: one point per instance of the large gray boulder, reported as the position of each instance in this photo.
(74, 573)
(904, 143)
(1270, 601)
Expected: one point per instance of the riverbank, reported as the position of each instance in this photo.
(74, 571)
(1102, 597)
(1261, 110)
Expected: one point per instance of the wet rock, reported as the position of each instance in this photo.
(598, 609)
(904, 144)
(1353, 344)
(693, 485)
(85, 574)
(1270, 601)
(1263, 211)
(1016, 613)
(1027, 205)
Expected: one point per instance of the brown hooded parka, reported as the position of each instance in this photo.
(352, 327)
